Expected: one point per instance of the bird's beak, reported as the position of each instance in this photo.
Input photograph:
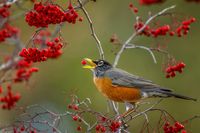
(88, 63)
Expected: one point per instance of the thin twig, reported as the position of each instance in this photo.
(130, 46)
(93, 33)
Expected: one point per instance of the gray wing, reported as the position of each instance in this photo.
(125, 79)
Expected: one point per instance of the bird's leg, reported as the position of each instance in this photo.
(130, 108)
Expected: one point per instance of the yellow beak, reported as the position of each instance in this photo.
(89, 64)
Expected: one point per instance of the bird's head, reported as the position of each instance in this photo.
(97, 66)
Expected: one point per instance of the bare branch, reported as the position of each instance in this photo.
(93, 33)
(138, 32)
(130, 46)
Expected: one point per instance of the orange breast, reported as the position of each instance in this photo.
(117, 93)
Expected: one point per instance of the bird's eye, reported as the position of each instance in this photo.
(100, 63)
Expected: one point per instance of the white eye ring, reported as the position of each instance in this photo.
(100, 63)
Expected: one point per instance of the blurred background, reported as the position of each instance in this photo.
(58, 79)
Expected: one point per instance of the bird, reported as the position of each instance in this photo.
(121, 86)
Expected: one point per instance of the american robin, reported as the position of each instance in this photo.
(121, 86)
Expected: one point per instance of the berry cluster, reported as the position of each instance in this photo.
(149, 2)
(33, 55)
(185, 27)
(176, 128)
(160, 31)
(171, 70)
(9, 99)
(53, 50)
(43, 15)
(7, 31)
(100, 128)
(4, 12)
(23, 74)
(146, 30)
(23, 64)
(114, 126)
(76, 117)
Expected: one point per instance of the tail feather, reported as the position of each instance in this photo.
(168, 93)
(172, 94)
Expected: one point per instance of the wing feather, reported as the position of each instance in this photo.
(125, 79)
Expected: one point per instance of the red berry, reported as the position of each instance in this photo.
(192, 19)
(45, 14)
(103, 129)
(186, 23)
(83, 62)
(165, 128)
(1, 89)
(80, 19)
(169, 70)
(75, 107)
(180, 70)
(135, 10)
(131, 5)
(79, 128)
(167, 76)
(75, 117)
(179, 126)
(22, 128)
(56, 40)
(117, 124)
(98, 127)
(173, 74)
(182, 64)
(69, 106)
(171, 33)
(103, 119)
